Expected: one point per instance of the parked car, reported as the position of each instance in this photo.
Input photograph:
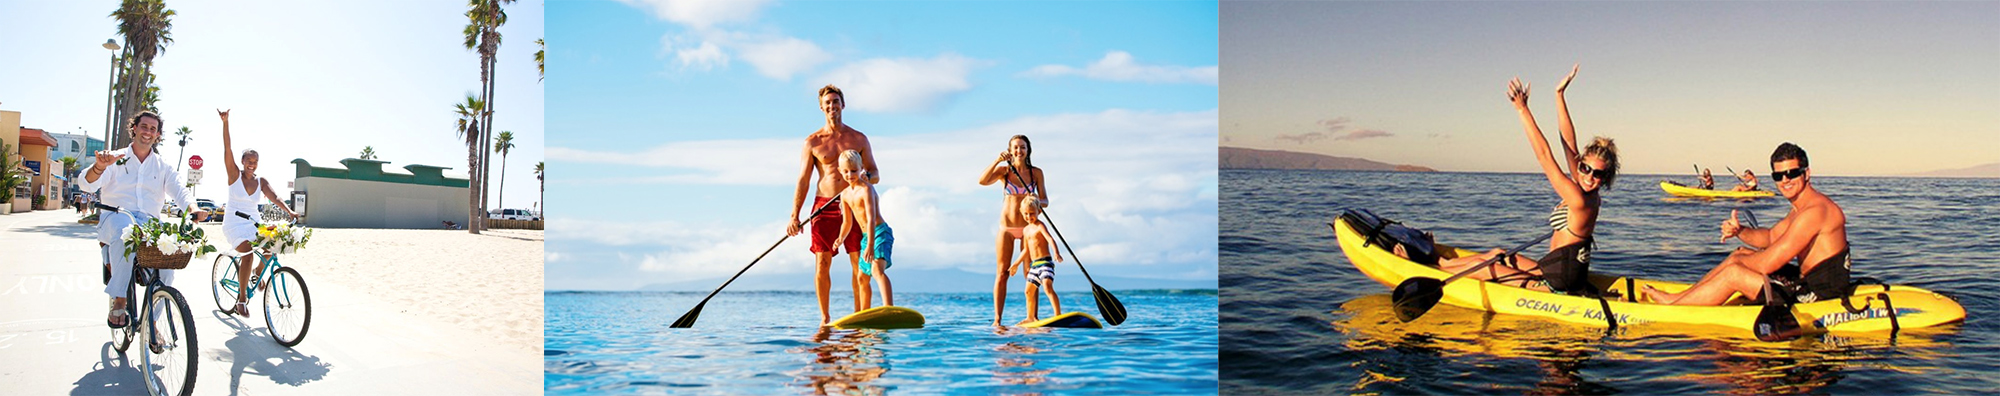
(214, 211)
(513, 214)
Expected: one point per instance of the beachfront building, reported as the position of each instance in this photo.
(74, 145)
(31, 147)
(361, 195)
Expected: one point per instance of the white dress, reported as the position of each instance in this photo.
(237, 229)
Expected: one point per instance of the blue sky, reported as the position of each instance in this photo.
(1868, 88)
(678, 127)
(303, 80)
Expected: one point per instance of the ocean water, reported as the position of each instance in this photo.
(1298, 318)
(769, 343)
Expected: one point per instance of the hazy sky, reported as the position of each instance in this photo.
(678, 127)
(303, 80)
(1868, 88)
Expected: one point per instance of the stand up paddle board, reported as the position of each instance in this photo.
(884, 317)
(1072, 320)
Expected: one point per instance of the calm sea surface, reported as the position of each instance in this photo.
(1298, 318)
(767, 343)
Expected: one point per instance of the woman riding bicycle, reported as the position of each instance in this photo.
(239, 227)
(136, 182)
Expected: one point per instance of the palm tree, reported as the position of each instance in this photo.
(503, 145)
(69, 167)
(541, 200)
(148, 28)
(482, 33)
(469, 114)
(368, 152)
(183, 133)
(539, 73)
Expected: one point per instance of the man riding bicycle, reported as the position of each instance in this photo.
(136, 182)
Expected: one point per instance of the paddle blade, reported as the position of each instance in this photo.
(1776, 323)
(687, 320)
(1416, 296)
(1108, 305)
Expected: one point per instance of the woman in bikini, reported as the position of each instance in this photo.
(239, 226)
(1008, 170)
(1567, 266)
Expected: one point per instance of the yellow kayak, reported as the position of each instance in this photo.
(1678, 190)
(883, 317)
(1914, 307)
(1073, 320)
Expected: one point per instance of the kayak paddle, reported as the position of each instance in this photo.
(687, 320)
(1775, 321)
(1107, 304)
(1417, 295)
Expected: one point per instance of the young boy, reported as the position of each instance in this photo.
(858, 207)
(1037, 243)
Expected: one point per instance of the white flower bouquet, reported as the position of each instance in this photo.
(164, 245)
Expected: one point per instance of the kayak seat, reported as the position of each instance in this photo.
(1419, 245)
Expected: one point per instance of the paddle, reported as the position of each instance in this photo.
(1107, 304)
(1417, 295)
(687, 320)
(1775, 321)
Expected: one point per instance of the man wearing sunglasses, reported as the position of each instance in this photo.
(1815, 234)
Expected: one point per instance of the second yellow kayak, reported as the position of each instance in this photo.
(1678, 190)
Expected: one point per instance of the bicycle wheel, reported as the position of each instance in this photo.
(169, 324)
(287, 307)
(223, 279)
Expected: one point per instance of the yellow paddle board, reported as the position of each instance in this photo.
(1073, 320)
(884, 317)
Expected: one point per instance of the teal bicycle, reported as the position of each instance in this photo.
(287, 305)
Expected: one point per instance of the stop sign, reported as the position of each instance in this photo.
(194, 162)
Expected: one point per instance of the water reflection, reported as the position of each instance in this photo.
(1014, 361)
(1576, 359)
(843, 362)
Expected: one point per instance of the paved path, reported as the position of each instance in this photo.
(53, 339)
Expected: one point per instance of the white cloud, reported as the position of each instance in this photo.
(1120, 66)
(705, 57)
(903, 84)
(780, 58)
(701, 14)
(1130, 188)
(701, 162)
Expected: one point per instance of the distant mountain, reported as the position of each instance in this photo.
(1245, 158)
(1987, 170)
(931, 281)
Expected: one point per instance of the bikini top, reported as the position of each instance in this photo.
(1559, 221)
(1012, 189)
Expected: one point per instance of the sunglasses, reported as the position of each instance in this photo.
(1600, 174)
(1780, 176)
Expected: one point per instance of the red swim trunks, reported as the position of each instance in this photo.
(826, 228)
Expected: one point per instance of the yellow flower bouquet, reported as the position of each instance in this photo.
(282, 237)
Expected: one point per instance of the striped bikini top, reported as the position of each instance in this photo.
(1559, 220)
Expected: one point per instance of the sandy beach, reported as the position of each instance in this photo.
(489, 283)
(393, 312)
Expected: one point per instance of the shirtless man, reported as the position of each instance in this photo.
(1815, 234)
(821, 156)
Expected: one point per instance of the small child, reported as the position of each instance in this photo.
(858, 205)
(1036, 242)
